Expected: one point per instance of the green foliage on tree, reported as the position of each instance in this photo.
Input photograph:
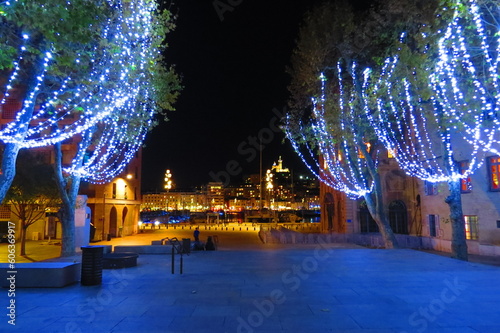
(68, 29)
(29, 29)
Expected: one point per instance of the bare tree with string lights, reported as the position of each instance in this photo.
(340, 148)
(106, 148)
(337, 141)
(436, 106)
(108, 102)
(37, 64)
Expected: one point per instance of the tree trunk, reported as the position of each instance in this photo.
(22, 237)
(68, 229)
(458, 240)
(67, 211)
(22, 221)
(454, 201)
(8, 173)
(377, 211)
(69, 192)
(375, 201)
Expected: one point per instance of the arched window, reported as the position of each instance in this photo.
(330, 210)
(113, 225)
(366, 221)
(398, 217)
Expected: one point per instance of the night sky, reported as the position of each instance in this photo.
(234, 76)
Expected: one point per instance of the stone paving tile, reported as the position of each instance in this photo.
(196, 300)
(197, 323)
(154, 324)
(81, 324)
(448, 330)
(334, 322)
(485, 329)
(363, 330)
(253, 322)
(382, 320)
(211, 310)
(463, 318)
(168, 311)
(28, 324)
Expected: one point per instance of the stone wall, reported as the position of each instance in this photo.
(282, 235)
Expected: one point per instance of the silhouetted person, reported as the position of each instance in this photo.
(196, 235)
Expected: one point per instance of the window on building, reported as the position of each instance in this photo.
(430, 188)
(360, 153)
(465, 183)
(114, 190)
(494, 172)
(470, 226)
(10, 107)
(5, 212)
(433, 225)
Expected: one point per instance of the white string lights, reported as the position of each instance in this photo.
(427, 136)
(122, 133)
(73, 107)
(115, 99)
(467, 73)
(344, 165)
(458, 121)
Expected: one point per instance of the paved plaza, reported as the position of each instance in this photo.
(304, 288)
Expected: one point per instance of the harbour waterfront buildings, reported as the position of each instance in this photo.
(278, 190)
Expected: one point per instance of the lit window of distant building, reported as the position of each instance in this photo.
(470, 226)
(493, 163)
(465, 183)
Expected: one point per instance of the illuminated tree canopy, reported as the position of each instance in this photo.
(98, 75)
(108, 74)
(335, 140)
(467, 74)
(432, 103)
(441, 110)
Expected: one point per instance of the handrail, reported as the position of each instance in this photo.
(176, 246)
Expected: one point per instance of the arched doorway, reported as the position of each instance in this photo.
(398, 217)
(366, 221)
(113, 221)
(124, 219)
(330, 210)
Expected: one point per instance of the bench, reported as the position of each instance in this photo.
(41, 274)
(143, 249)
(160, 242)
(119, 260)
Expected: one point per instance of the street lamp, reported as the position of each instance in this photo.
(269, 184)
(168, 180)
(168, 183)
